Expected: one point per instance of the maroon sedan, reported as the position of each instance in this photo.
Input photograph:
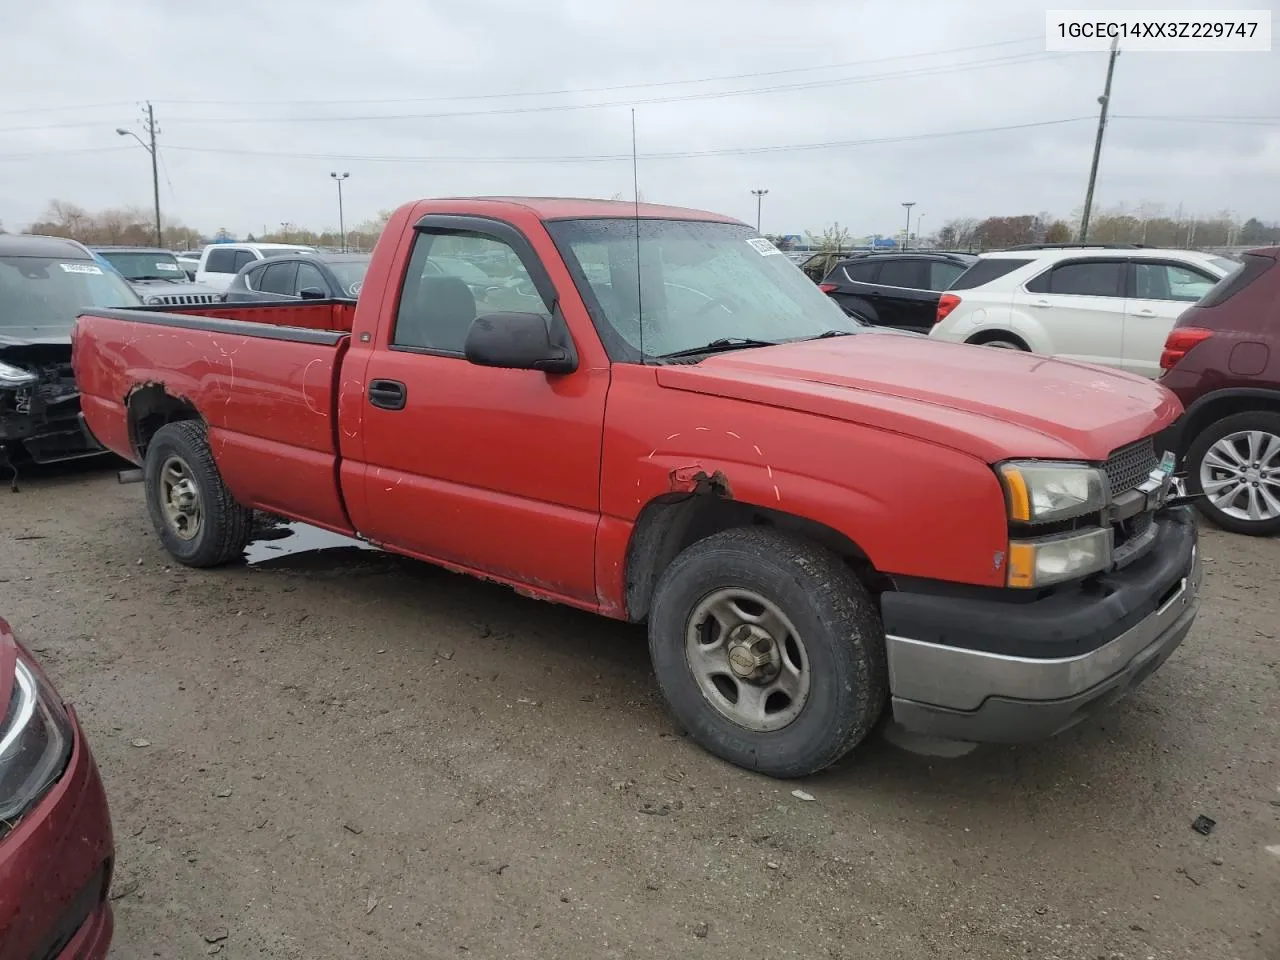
(56, 849)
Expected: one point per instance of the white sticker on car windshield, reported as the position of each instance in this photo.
(763, 247)
(171, 267)
(80, 268)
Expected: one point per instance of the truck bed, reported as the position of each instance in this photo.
(264, 377)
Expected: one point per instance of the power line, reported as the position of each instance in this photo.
(52, 153)
(621, 86)
(610, 158)
(941, 69)
(71, 107)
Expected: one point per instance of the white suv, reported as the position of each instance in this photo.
(1110, 305)
(220, 262)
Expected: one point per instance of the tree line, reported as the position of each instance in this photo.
(135, 226)
(1148, 225)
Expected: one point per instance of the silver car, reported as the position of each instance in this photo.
(157, 276)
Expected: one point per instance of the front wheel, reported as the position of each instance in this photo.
(193, 512)
(1235, 463)
(769, 651)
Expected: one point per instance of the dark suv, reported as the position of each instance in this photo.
(1222, 359)
(895, 289)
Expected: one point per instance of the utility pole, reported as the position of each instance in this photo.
(759, 195)
(1105, 102)
(149, 145)
(906, 237)
(342, 227)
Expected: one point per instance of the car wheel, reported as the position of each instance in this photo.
(1003, 343)
(194, 514)
(769, 651)
(1235, 463)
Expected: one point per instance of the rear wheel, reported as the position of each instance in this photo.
(769, 651)
(1235, 463)
(193, 512)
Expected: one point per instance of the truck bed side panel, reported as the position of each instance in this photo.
(309, 314)
(267, 393)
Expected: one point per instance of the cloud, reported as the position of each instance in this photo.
(286, 74)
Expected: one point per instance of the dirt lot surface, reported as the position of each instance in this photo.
(355, 756)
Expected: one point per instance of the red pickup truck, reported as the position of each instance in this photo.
(652, 414)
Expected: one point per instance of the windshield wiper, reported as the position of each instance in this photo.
(718, 346)
(831, 333)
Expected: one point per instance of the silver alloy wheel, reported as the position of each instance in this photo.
(180, 498)
(1240, 474)
(748, 659)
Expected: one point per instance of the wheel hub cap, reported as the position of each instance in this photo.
(1240, 474)
(748, 659)
(753, 654)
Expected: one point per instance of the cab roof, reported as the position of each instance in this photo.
(576, 208)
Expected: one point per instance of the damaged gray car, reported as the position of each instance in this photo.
(44, 284)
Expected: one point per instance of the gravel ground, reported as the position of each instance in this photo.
(356, 756)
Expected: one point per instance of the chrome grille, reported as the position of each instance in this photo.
(187, 299)
(1129, 466)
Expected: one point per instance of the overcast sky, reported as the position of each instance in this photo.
(851, 71)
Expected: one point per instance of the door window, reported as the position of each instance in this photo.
(277, 278)
(221, 261)
(309, 276)
(943, 273)
(1167, 281)
(454, 278)
(902, 273)
(1093, 278)
(242, 259)
(864, 272)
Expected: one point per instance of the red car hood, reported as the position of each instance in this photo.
(986, 402)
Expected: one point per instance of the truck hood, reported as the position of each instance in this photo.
(989, 403)
(35, 336)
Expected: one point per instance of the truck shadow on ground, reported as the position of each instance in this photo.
(1082, 770)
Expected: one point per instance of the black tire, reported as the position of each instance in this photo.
(1003, 343)
(1263, 421)
(831, 611)
(224, 527)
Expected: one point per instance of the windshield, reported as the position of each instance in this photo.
(41, 296)
(699, 283)
(145, 266)
(350, 274)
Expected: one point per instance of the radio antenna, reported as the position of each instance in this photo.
(635, 186)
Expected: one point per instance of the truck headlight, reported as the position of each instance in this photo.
(11, 376)
(35, 743)
(1038, 563)
(1039, 491)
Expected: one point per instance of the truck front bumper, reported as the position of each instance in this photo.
(991, 669)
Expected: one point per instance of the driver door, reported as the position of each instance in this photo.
(491, 469)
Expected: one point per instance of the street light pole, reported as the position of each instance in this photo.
(906, 237)
(150, 123)
(342, 226)
(759, 195)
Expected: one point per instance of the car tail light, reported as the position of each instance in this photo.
(1179, 344)
(946, 303)
(827, 287)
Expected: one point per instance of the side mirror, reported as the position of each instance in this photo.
(518, 341)
(312, 293)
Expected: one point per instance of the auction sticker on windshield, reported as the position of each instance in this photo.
(80, 268)
(764, 247)
(171, 267)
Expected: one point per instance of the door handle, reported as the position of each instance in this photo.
(1040, 303)
(1146, 313)
(388, 394)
